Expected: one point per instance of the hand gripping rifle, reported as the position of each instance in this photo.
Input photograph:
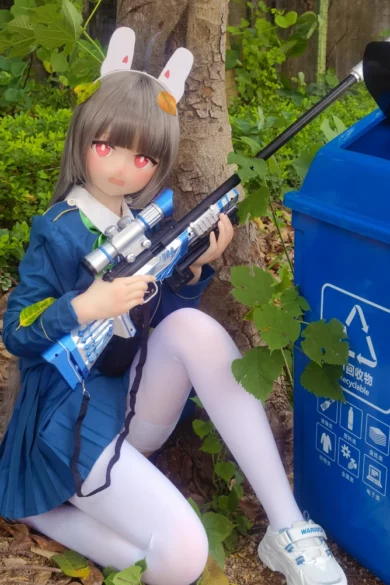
(169, 253)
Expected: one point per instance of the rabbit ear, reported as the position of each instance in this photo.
(120, 51)
(176, 71)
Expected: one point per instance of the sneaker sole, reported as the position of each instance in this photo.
(270, 559)
(273, 562)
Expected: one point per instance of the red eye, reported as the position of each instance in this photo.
(102, 149)
(141, 161)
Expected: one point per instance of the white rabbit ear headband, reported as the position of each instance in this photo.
(172, 78)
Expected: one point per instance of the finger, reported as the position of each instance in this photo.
(139, 278)
(228, 228)
(137, 287)
(212, 249)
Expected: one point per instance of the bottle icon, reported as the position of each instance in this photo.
(350, 418)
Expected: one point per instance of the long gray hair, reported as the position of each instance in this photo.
(125, 108)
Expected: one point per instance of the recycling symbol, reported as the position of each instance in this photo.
(371, 361)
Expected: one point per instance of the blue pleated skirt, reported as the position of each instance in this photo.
(36, 452)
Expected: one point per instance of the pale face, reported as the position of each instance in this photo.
(116, 171)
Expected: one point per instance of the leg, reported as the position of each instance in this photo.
(145, 509)
(78, 531)
(190, 349)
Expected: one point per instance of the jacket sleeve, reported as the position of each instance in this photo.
(189, 296)
(47, 270)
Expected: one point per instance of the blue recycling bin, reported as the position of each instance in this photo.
(341, 218)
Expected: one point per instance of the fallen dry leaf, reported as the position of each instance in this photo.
(19, 530)
(42, 578)
(43, 553)
(13, 562)
(20, 545)
(49, 545)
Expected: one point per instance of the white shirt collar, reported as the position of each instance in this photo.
(97, 213)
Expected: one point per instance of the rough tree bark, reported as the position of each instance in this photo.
(200, 26)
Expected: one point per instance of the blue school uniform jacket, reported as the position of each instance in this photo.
(36, 451)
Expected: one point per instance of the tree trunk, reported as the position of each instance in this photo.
(199, 25)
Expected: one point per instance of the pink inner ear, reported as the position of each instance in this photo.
(167, 74)
(125, 59)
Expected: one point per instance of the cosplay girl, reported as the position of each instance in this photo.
(122, 143)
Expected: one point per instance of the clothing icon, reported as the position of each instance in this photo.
(326, 443)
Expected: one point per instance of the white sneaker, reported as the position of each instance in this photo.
(301, 554)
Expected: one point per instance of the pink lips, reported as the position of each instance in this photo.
(116, 182)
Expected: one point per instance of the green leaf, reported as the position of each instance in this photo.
(5, 17)
(17, 68)
(23, 7)
(298, 47)
(257, 370)
(72, 564)
(5, 63)
(243, 524)
(195, 507)
(222, 503)
(255, 205)
(252, 143)
(217, 527)
(323, 381)
(306, 24)
(72, 17)
(129, 576)
(217, 552)
(324, 342)
(197, 401)
(202, 428)
(59, 62)
(22, 35)
(249, 168)
(52, 29)
(109, 571)
(5, 78)
(252, 285)
(277, 327)
(303, 162)
(230, 543)
(211, 445)
(31, 313)
(232, 57)
(13, 95)
(225, 470)
(234, 497)
(287, 20)
(142, 564)
(293, 303)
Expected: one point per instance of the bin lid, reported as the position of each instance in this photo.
(348, 183)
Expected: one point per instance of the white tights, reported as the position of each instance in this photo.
(142, 515)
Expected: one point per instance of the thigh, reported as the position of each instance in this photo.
(141, 504)
(89, 537)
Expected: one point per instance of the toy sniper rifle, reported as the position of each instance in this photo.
(169, 253)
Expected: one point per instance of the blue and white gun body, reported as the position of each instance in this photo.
(135, 250)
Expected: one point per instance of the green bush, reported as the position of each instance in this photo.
(31, 144)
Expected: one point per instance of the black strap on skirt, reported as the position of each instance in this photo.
(123, 434)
